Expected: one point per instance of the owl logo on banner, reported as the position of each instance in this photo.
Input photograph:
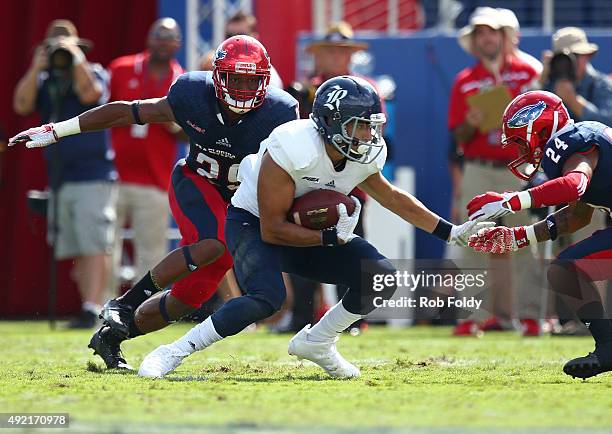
(334, 97)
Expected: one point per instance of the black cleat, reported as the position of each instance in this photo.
(106, 344)
(585, 367)
(117, 316)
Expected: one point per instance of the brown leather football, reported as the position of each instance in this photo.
(318, 209)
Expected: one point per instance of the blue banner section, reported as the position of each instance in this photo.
(424, 66)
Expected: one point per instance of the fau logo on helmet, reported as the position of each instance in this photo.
(526, 115)
(220, 54)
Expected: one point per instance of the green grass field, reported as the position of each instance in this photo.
(413, 380)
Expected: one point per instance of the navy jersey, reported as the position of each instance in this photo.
(216, 149)
(577, 138)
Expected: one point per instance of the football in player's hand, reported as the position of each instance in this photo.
(318, 209)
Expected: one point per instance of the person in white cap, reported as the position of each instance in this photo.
(511, 26)
(589, 97)
(484, 158)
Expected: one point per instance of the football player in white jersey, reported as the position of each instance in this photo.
(339, 147)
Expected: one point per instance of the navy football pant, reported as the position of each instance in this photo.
(258, 266)
(571, 276)
(592, 256)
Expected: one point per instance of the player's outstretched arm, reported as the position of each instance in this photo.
(114, 114)
(275, 194)
(413, 211)
(502, 239)
(577, 172)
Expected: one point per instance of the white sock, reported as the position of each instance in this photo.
(201, 336)
(89, 306)
(334, 322)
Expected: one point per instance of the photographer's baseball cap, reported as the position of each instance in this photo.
(482, 16)
(574, 40)
(65, 29)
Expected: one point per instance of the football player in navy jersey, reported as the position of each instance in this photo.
(226, 113)
(577, 159)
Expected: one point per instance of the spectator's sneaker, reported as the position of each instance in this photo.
(106, 344)
(572, 328)
(530, 327)
(161, 361)
(551, 326)
(467, 328)
(590, 365)
(117, 316)
(86, 320)
(323, 354)
(492, 325)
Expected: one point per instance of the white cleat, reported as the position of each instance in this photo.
(161, 361)
(323, 354)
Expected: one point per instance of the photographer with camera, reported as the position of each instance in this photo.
(59, 85)
(586, 92)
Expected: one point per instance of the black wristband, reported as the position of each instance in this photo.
(135, 113)
(329, 237)
(442, 230)
(551, 224)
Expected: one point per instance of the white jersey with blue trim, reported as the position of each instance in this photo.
(298, 148)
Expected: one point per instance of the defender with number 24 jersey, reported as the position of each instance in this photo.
(583, 138)
(577, 158)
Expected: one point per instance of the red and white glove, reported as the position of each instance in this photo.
(492, 205)
(460, 234)
(502, 239)
(47, 134)
(36, 137)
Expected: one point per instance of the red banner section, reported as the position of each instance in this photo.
(279, 23)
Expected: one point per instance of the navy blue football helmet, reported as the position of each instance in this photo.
(343, 107)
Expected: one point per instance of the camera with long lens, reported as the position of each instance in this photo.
(562, 67)
(60, 58)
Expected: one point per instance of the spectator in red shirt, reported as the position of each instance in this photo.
(145, 154)
(485, 161)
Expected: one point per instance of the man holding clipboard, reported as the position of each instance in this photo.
(478, 97)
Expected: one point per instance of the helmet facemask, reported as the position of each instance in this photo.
(246, 97)
(530, 147)
(529, 154)
(360, 138)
